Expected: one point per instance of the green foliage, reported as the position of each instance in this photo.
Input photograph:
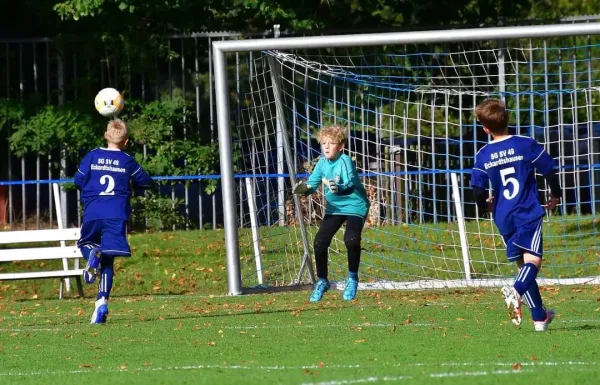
(55, 127)
(153, 212)
(164, 140)
(10, 112)
(77, 8)
(174, 146)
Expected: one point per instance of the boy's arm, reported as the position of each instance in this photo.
(140, 178)
(479, 183)
(314, 179)
(544, 163)
(349, 175)
(82, 174)
(481, 199)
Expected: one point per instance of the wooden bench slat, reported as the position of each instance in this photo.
(22, 236)
(34, 253)
(41, 274)
(39, 253)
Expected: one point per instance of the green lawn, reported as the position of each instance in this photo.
(171, 323)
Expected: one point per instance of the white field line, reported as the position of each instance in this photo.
(473, 374)
(97, 370)
(399, 378)
(360, 380)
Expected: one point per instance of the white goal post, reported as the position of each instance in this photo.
(408, 170)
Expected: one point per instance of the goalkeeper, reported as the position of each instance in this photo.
(508, 163)
(346, 202)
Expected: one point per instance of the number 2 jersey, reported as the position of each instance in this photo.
(509, 164)
(104, 177)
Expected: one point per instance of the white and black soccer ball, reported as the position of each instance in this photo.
(109, 102)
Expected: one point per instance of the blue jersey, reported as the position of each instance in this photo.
(104, 177)
(351, 198)
(509, 164)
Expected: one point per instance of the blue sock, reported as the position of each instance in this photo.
(106, 276)
(353, 275)
(533, 298)
(525, 278)
(85, 251)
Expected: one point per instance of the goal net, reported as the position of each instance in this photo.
(409, 113)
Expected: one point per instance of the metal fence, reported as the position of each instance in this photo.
(57, 72)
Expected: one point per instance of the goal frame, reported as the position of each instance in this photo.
(220, 49)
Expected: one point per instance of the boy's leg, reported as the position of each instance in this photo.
(89, 245)
(526, 285)
(529, 241)
(352, 239)
(114, 244)
(329, 226)
(107, 273)
(104, 287)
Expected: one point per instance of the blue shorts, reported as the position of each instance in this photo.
(108, 234)
(526, 239)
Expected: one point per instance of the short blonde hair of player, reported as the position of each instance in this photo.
(116, 132)
(335, 134)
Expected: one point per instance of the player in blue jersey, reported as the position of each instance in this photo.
(509, 162)
(346, 202)
(105, 177)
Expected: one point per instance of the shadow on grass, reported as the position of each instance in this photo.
(571, 328)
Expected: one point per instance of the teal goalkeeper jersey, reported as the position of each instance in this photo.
(351, 198)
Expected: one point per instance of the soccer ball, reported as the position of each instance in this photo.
(109, 102)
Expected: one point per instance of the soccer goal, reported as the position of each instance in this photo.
(407, 101)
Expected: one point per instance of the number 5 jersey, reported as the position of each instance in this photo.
(104, 177)
(509, 164)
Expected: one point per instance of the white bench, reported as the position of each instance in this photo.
(66, 253)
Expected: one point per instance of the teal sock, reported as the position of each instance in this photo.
(353, 275)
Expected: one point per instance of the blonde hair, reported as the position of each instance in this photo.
(335, 133)
(116, 131)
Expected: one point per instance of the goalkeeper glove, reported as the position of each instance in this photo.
(301, 188)
(331, 184)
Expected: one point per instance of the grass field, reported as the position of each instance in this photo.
(429, 251)
(171, 324)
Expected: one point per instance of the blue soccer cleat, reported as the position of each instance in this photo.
(91, 269)
(321, 286)
(100, 312)
(350, 289)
